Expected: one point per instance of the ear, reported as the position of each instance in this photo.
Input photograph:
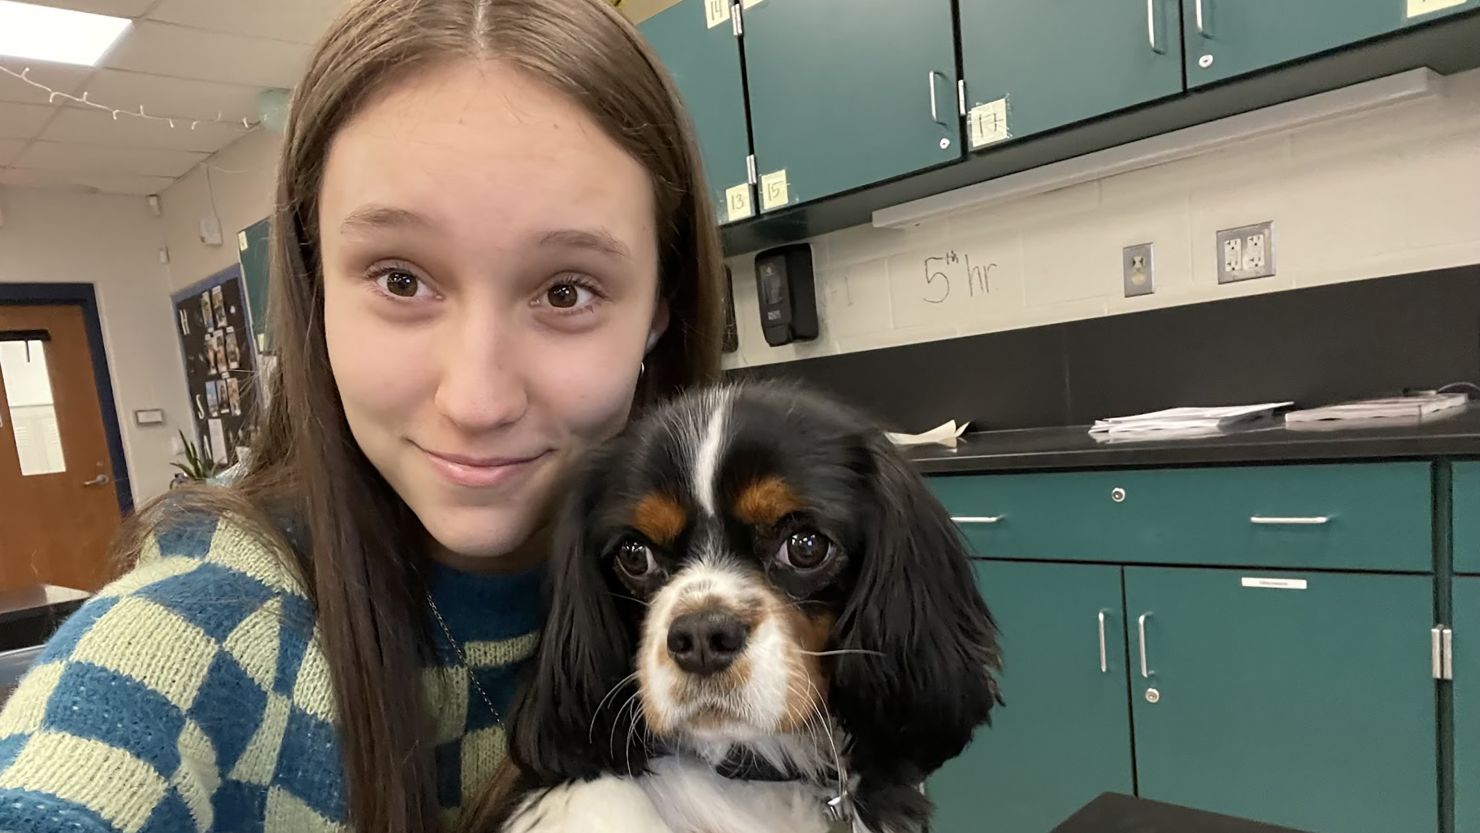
(568, 720)
(915, 602)
(660, 325)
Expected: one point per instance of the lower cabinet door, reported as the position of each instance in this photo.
(1466, 705)
(1299, 699)
(1064, 735)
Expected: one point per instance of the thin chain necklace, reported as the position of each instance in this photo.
(456, 646)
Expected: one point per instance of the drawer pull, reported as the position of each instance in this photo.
(1436, 652)
(1141, 627)
(1316, 520)
(1198, 14)
(1151, 26)
(976, 519)
(1104, 664)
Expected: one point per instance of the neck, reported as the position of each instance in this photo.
(523, 558)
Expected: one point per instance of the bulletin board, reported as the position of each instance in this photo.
(214, 323)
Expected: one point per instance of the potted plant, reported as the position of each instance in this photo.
(197, 467)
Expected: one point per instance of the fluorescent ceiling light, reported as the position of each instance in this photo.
(41, 33)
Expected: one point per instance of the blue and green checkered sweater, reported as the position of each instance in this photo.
(191, 695)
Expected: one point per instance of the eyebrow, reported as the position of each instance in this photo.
(369, 217)
(597, 240)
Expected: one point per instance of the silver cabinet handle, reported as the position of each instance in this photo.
(1315, 520)
(1448, 668)
(96, 481)
(1104, 665)
(1141, 626)
(934, 111)
(976, 519)
(1151, 26)
(1436, 652)
(1197, 8)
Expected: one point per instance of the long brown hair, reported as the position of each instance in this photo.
(360, 546)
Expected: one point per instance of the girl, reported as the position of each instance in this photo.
(491, 244)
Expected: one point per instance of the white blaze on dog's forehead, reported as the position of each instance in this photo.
(706, 458)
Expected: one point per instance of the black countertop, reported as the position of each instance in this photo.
(1456, 433)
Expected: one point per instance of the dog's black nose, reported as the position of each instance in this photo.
(706, 642)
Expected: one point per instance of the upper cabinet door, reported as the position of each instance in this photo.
(846, 93)
(697, 44)
(1231, 37)
(1466, 670)
(1032, 66)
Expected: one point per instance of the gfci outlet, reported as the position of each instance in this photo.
(1246, 252)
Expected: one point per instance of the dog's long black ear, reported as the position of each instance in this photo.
(564, 720)
(915, 602)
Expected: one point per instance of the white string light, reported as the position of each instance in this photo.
(53, 95)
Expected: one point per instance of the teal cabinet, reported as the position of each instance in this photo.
(1375, 516)
(1031, 67)
(1304, 700)
(1466, 662)
(1063, 736)
(1465, 511)
(1225, 38)
(704, 61)
(846, 93)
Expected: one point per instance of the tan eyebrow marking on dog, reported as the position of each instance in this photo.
(659, 517)
(766, 501)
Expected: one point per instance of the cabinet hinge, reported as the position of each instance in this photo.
(1441, 652)
(737, 26)
(750, 168)
(961, 96)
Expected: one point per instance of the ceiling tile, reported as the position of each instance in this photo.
(22, 121)
(96, 127)
(173, 96)
(103, 183)
(68, 79)
(117, 8)
(71, 156)
(298, 21)
(166, 49)
(10, 149)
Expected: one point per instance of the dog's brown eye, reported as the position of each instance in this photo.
(635, 558)
(805, 550)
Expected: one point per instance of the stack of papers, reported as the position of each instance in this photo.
(1184, 422)
(945, 434)
(1396, 407)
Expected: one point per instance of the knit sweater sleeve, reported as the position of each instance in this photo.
(149, 709)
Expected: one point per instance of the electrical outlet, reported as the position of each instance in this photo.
(1136, 270)
(1246, 252)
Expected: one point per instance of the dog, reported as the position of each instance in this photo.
(760, 620)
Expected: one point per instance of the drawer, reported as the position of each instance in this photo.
(1465, 512)
(1374, 516)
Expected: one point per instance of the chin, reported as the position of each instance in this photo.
(758, 619)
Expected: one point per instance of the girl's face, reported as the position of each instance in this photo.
(490, 285)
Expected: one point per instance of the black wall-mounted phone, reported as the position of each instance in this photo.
(788, 295)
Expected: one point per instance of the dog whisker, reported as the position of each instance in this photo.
(590, 730)
(840, 652)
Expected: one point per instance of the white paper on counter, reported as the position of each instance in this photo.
(945, 434)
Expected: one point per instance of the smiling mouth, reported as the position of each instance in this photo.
(480, 472)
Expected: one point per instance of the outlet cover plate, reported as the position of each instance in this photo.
(1137, 269)
(1258, 237)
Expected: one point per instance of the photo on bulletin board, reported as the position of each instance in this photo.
(205, 310)
(218, 302)
(234, 397)
(221, 366)
(233, 352)
(213, 399)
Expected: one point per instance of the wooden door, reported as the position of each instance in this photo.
(56, 477)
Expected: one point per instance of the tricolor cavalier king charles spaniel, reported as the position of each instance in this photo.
(760, 620)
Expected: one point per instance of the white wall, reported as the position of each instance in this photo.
(240, 192)
(112, 242)
(1384, 193)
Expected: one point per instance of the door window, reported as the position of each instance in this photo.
(32, 412)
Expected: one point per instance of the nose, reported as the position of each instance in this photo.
(706, 642)
(482, 387)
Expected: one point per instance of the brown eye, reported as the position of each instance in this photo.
(563, 295)
(805, 550)
(635, 558)
(401, 284)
